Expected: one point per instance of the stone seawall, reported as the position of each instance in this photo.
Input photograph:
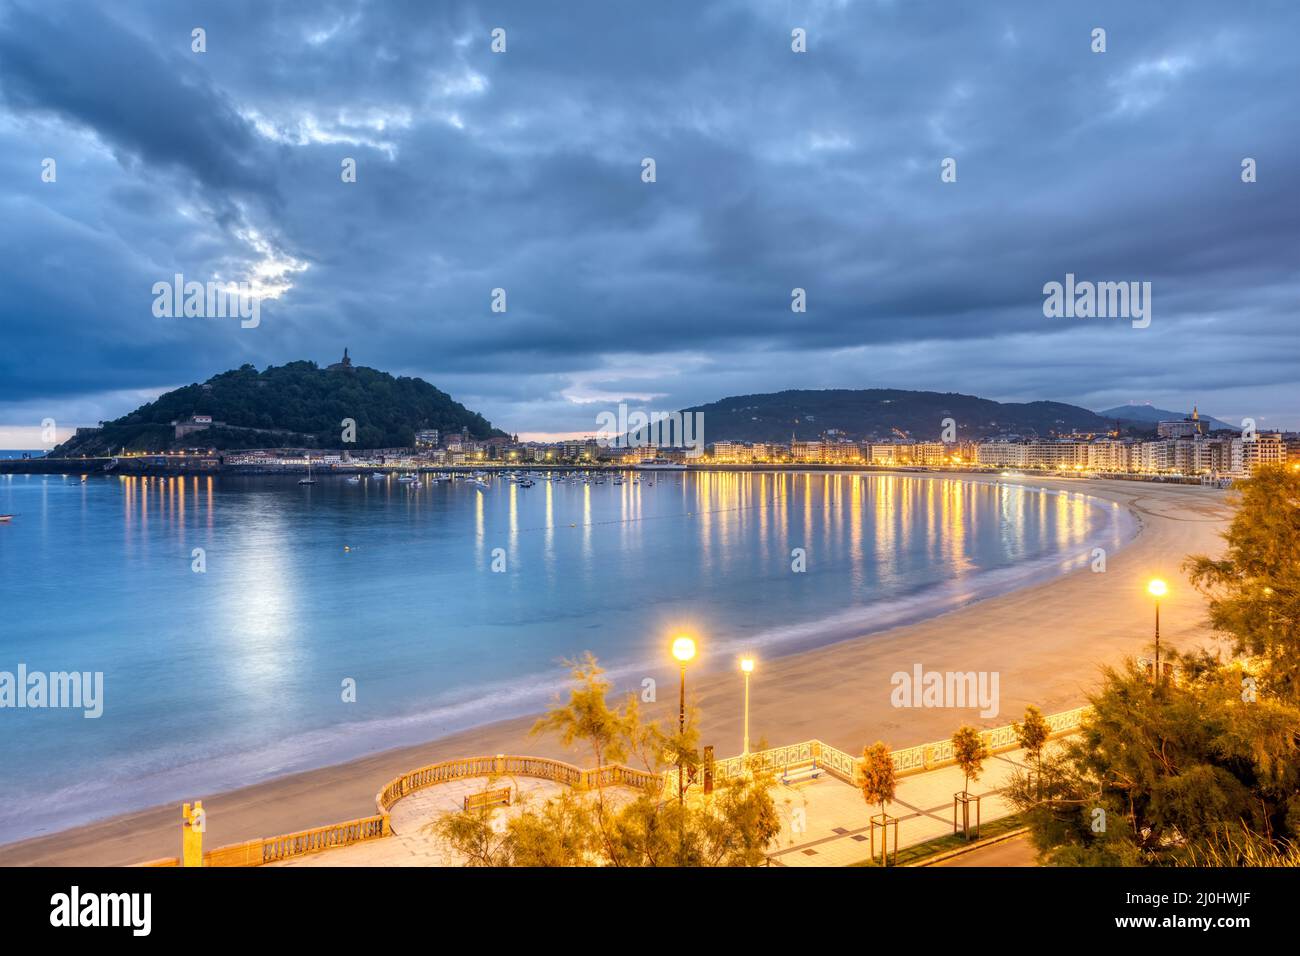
(97, 466)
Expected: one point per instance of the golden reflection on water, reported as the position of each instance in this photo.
(856, 492)
(171, 501)
(703, 507)
(854, 520)
(548, 543)
(954, 519)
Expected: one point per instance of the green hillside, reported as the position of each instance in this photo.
(297, 404)
(886, 413)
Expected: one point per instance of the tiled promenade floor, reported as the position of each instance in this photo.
(411, 846)
(835, 820)
(824, 822)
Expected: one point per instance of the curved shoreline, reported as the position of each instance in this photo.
(106, 795)
(838, 692)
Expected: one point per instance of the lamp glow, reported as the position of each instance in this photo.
(747, 664)
(1157, 588)
(684, 649)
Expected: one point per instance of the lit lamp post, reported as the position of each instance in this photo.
(1157, 590)
(684, 651)
(747, 666)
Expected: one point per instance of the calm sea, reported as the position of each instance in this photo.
(218, 679)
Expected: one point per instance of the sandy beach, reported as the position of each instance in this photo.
(1045, 641)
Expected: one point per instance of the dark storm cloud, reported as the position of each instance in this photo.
(775, 171)
(148, 102)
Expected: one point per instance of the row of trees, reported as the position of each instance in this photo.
(878, 781)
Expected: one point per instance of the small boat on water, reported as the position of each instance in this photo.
(354, 480)
(475, 483)
(7, 517)
(379, 476)
(408, 479)
(309, 480)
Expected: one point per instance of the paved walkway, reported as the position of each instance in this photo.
(1017, 851)
(410, 845)
(824, 822)
(834, 829)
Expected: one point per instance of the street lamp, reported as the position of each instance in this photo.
(684, 651)
(746, 665)
(1157, 589)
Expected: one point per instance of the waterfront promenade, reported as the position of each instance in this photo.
(824, 822)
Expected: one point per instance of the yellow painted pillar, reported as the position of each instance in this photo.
(192, 833)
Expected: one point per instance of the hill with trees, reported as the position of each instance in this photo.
(1150, 415)
(883, 413)
(294, 405)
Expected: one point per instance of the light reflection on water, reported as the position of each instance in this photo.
(217, 679)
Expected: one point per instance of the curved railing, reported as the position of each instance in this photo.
(323, 838)
(929, 756)
(908, 760)
(510, 765)
(835, 762)
(289, 845)
(434, 773)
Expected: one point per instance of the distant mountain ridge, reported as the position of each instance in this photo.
(1151, 414)
(880, 413)
(293, 405)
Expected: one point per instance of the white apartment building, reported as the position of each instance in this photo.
(884, 454)
(931, 453)
(1266, 448)
(998, 454)
(732, 451)
(1110, 455)
(1057, 455)
(1051, 455)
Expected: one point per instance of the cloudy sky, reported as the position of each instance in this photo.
(522, 170)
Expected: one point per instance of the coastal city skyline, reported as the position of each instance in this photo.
(42, 437)
(839, 428)
(917, 208)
